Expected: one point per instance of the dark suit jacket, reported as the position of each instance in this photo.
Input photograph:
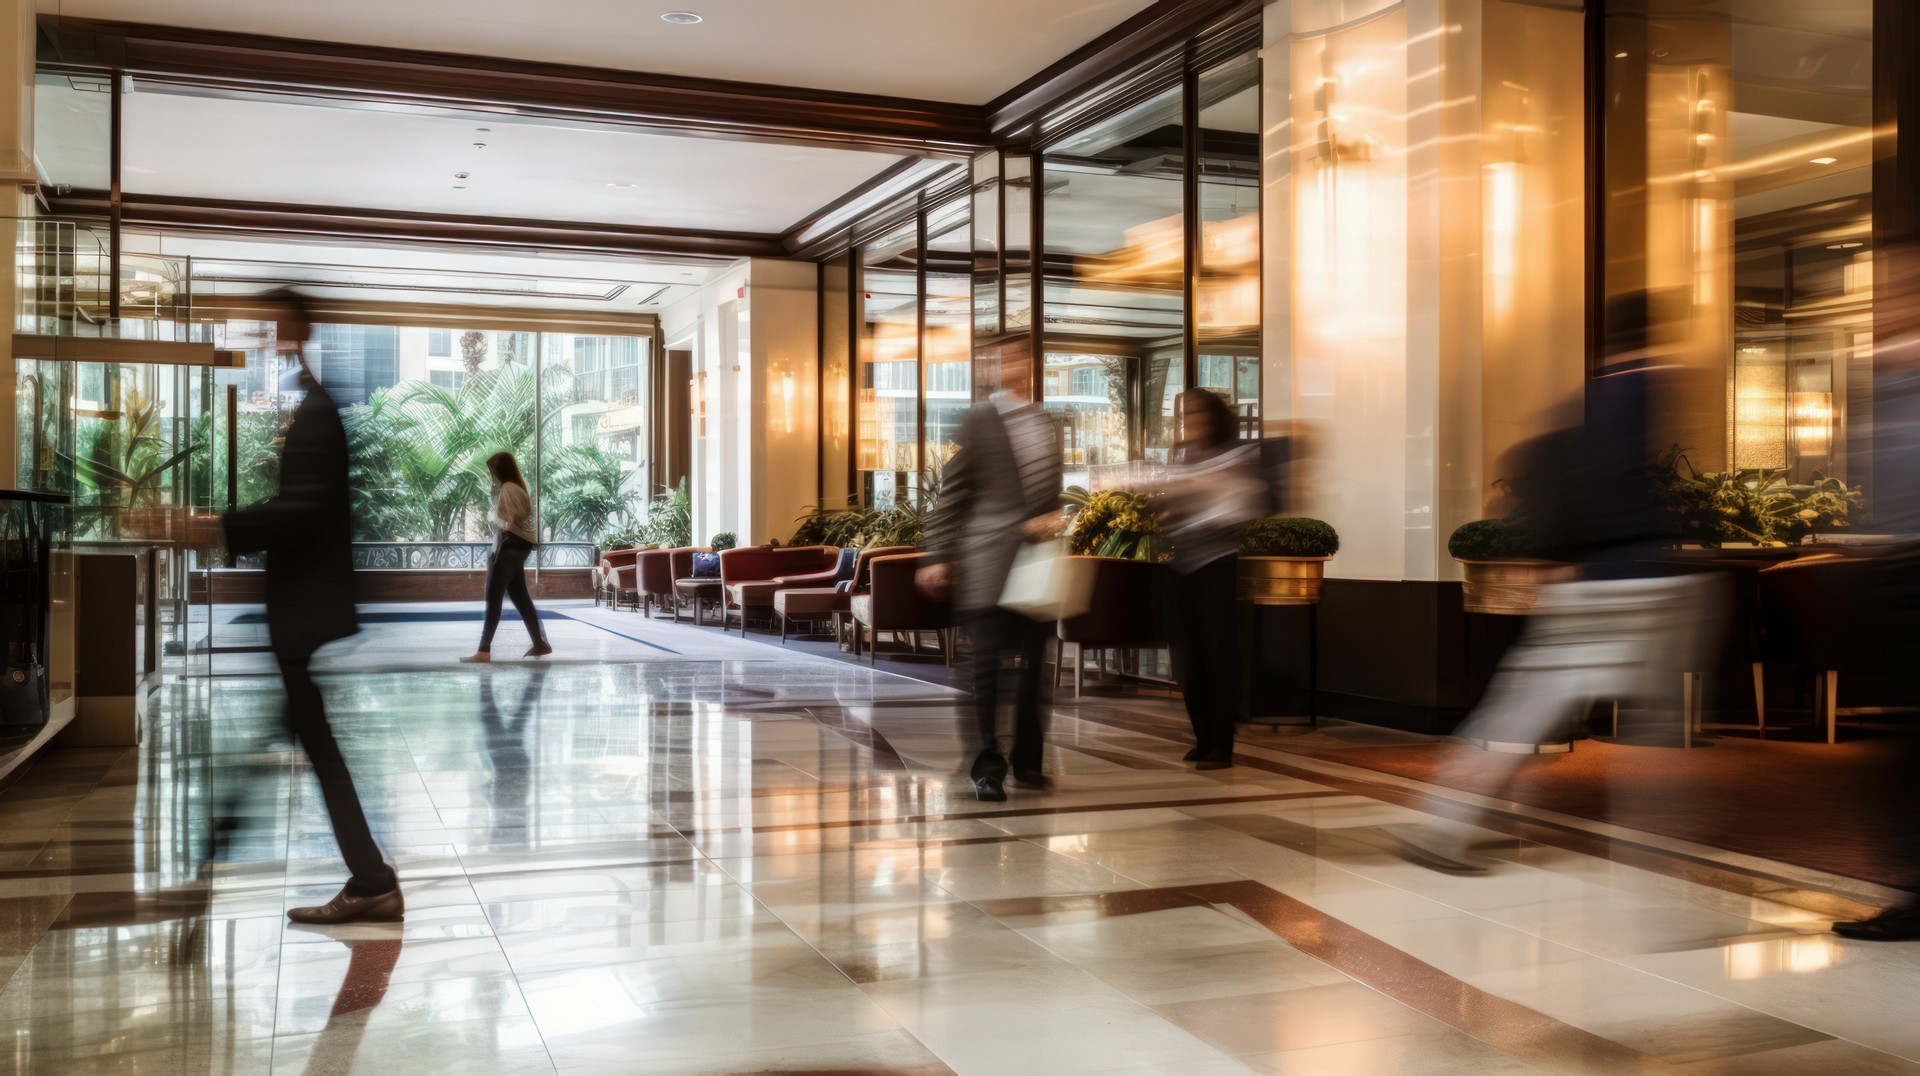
(987, 490)
(306, 533)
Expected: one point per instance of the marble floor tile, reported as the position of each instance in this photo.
(743, 861)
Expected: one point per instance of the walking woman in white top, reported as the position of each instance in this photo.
(513, 540)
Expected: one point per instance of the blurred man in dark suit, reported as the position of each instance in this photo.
(1000, 491)
(306, 534)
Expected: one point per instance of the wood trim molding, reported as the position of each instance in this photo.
(1165, 25)
(223, 216)
(220, 61)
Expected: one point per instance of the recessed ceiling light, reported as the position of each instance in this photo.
(479, 145)
(623, 186)
(680, 18)
(461, 175)
(1845, 246)
(459, 186)
(1824, 160)
(484, 130)
(1619, 55)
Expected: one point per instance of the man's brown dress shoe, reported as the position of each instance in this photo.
(347, 908)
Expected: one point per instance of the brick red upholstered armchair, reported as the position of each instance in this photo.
(829, 602)
(750, 577)
(616, 576)
(894, 604)
(655, 569)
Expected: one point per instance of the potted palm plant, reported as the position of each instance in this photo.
(1501, 579)
(1283, 560)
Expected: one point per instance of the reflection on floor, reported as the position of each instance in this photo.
(773, 865)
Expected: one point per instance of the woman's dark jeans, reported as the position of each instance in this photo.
(507, 577)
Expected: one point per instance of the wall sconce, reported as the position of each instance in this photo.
(786, 400)
(1813, 423)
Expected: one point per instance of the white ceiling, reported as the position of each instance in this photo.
(967, 51)
(289, 150)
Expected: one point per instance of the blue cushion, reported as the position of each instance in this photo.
(706, 565)
(849, 559)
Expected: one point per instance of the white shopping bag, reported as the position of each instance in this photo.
(1046, 584)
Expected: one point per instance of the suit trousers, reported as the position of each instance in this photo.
(306, 720)
(996, 633)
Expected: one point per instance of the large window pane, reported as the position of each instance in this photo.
(1115, 285)
(1227, 300)
(888, 413)
(949, 369)
(594, 434)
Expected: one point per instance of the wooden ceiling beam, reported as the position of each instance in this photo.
(229, 217)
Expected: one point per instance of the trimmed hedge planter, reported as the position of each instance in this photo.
(1283, 560)
(1497, 579)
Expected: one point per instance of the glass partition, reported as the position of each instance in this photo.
(1226, 314)
(887, 413)
(948, 379)
(1115, 259)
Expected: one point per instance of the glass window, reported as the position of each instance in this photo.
(1115, 287)
(1739, 227)
(440, 342)
(594, 434)
(949, 343)
(1226, 312)
(887, 417)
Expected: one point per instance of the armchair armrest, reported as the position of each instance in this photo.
(807, 579)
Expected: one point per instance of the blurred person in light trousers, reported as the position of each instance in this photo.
(1000, 491)
(306, 533)
(1214, 488)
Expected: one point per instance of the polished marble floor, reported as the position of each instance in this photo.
(773, 864)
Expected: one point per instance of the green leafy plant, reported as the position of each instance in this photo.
(1489, 539)
(723, 541)
(831, 526)
(582, 488)
(1115, 523)
(126, 463)
(669, 522)
(1825, 505)
(1758, 506)
(1288, 536)
(624, 537)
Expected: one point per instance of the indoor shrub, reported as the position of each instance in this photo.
(1487, 539)
(723, 541)
(1115, 523)
(1288, 536)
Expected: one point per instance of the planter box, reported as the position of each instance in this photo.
(1282, 580)
(1508, 587)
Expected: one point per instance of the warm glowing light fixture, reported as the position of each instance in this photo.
(1825, 160)
(680, 18)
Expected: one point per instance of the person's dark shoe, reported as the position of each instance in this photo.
(1194, 755)
(540, 649)
(1033, 779)
(347, 908)
(1218, 758)
(989, 775)
(1894, 924)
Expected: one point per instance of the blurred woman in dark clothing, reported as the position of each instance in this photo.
(514, 538)
(1215, 486)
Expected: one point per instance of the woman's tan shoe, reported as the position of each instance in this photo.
(478, 656)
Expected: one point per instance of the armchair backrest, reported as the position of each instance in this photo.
(618, 558)
(681, 560)
(656, 571)
(752, 564)
(898, 604)
(862, 567)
